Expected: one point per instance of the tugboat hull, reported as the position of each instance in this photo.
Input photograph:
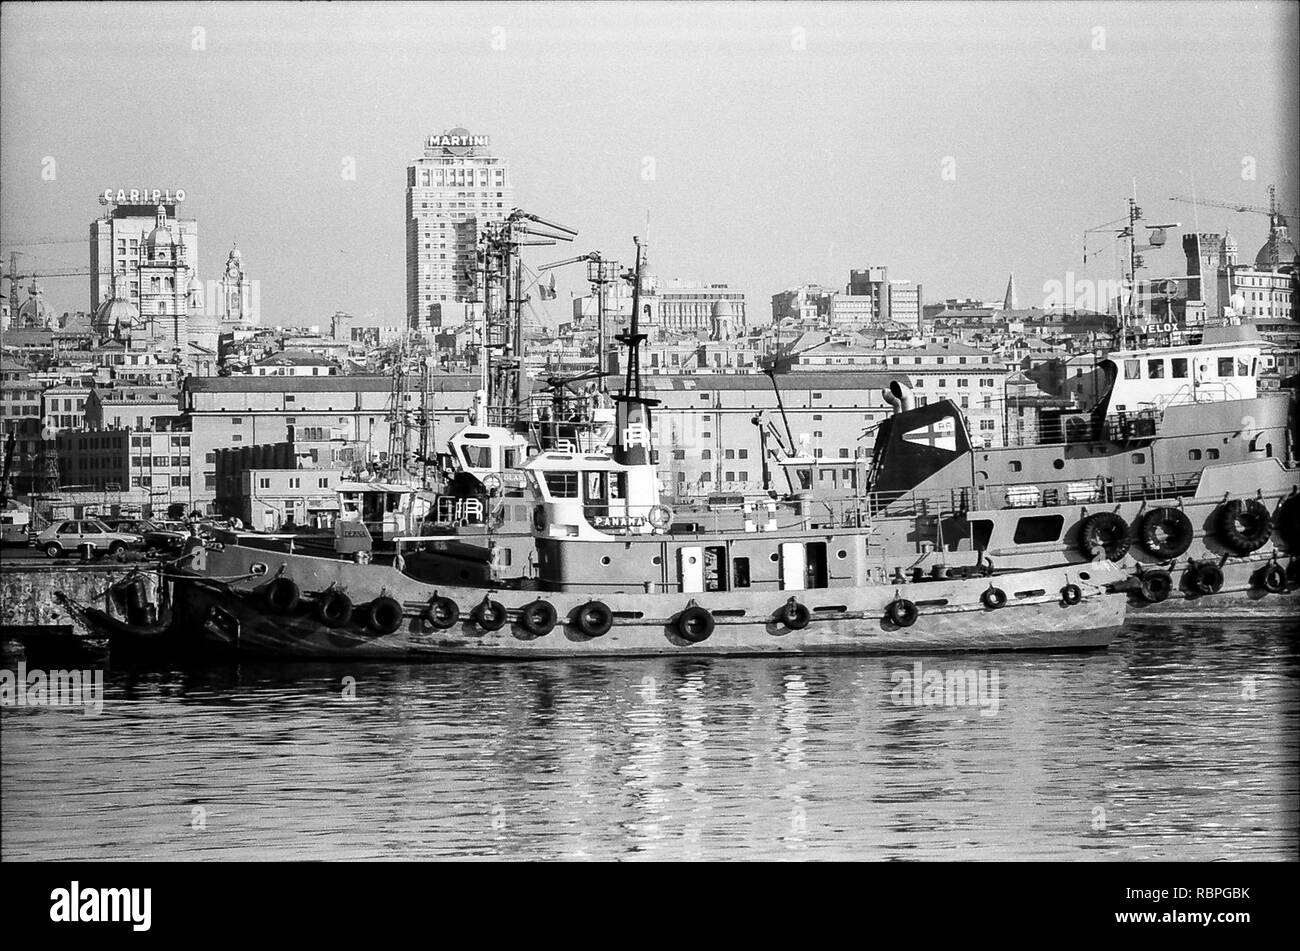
(1052, 609)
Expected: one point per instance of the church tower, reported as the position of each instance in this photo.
(164, 287)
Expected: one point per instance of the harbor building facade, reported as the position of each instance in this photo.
(452, 191)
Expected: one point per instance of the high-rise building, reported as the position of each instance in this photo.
(452, 191)
(117, 237)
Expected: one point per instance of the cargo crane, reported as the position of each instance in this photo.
(601, 272)
(1273, 211)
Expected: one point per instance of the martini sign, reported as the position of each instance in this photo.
(457, 140)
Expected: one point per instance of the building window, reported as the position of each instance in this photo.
(706, 454)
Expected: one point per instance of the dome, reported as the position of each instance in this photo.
(722, 310)
(159, 237)
(234, 255)
(1279, 249)
(34, 312)
(114, 313)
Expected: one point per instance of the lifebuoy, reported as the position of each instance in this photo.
(794, 615)
(383, 615)
(442, 613)
(1244, 525)
(281, 595)
(1287, 521)
(489, 615)
(1104, 532)
(695, 623)
(1207, 578)
(1273, 578)
(333, 609)
(1155, 586)
(593, 619)
(902, 612)
(1165, 532)
(538, 618)
(993, 598)
(1071, 594)
(660, 516)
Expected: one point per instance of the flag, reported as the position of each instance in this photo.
(548, 293)
(941, 434)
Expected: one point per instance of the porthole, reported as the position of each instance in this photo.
(773, 556)
(656, 560)
(605, 560)
(1058, 463)
(841, 554)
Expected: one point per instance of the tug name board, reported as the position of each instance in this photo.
(141, 196)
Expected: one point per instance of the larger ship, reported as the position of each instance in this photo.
(1183, 473)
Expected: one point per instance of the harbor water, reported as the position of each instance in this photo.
(1176, 743)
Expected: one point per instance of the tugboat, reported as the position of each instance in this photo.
(1182, 475)
(614, 577)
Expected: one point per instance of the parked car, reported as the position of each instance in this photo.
(156, 534)
(69, 536)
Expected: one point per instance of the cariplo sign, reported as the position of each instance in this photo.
(141, 196)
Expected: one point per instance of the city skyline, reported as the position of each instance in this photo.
(833, 137)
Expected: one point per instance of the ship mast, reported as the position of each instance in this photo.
(502, 342)
(633, 433)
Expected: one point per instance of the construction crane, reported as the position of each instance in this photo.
(1273, 211)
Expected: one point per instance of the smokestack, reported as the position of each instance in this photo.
(903, 392)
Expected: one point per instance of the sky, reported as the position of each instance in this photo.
(770, 144)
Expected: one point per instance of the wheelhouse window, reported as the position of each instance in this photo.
(1132, 369)
(1225, 366)
(1178, 368)
(1155, 369)
(562, 485)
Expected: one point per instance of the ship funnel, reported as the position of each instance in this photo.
(904, 394)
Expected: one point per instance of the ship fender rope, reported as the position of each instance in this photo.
(1272, 578)
(794, 615)
(993, 598)
(1206, 578)
(695, 623)
(1243, 524)
(1165, 532)
(382, 615)
(442, 612)
(538, 618)
(1287, 521)
(333, 608)
(488, 614)
(593, 619)
(1104, 533)
(280, 594)
(902, 612)
(1155, 586)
